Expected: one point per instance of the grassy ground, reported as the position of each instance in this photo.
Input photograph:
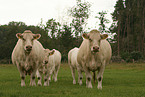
(120, 80)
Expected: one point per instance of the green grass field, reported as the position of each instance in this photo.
(120, 80)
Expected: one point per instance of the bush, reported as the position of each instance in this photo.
(128, 57)
(5, 61)
(116, 59)
(136, 55)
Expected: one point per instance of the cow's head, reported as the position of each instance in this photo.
(94, 37)
(47, 54)
(28, 37)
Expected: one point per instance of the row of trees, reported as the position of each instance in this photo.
(129, 18)
(63, 37)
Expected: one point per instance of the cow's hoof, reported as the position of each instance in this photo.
(99, 87)
(74, 82)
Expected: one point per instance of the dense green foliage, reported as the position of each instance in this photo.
(120, 80)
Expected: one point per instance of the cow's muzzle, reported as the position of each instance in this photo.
(95, 49)
(28, 48)
(45, 62)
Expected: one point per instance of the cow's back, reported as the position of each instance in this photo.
(73, 57)
(105, 50)
(39, 51)
(17, 52)
(57, 57)
(83, 52)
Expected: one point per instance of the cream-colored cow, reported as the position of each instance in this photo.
(27, 55)
(94, 53)
(51, 65)
(72, 61)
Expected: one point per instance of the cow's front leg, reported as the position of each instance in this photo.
(46, 79)
(49, 76)
(88, 78)
(39, 76)
(80, 76)
(100, 76)
(22, 73)
(32, 80)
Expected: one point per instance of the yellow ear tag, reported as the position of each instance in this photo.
(85, 35)
(52, 52)
(19, 35)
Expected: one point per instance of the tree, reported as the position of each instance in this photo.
(118, 12)
(103, 21)
(80, 14)
(103, 28)
(52, 27)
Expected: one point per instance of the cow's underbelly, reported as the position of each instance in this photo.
(93, 66)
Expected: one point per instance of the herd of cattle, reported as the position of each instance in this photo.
(31, 58)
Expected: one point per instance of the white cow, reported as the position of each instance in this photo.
(27, 55)
(94, 53)
(51, 65)
(72, 61)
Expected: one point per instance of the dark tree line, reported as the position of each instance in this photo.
(129, 18)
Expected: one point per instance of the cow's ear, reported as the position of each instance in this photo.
(19, 35)
(51, 52)
(104, 36)
(85, 35)
(36, 36)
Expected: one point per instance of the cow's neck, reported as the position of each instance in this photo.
(28, 53)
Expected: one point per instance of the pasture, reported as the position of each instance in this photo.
(120, 80)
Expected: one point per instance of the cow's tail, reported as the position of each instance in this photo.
(94, 77)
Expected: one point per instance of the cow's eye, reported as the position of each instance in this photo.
(90, 40)
(24, 39)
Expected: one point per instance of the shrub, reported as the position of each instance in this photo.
(136, 55)
(116, 59)
(128, 57)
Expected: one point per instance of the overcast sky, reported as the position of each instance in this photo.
(31, 11)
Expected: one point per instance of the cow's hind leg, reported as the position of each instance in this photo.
(73, 74)
(56, 72)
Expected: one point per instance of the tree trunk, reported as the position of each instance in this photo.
(119, 22)
(143, 26)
